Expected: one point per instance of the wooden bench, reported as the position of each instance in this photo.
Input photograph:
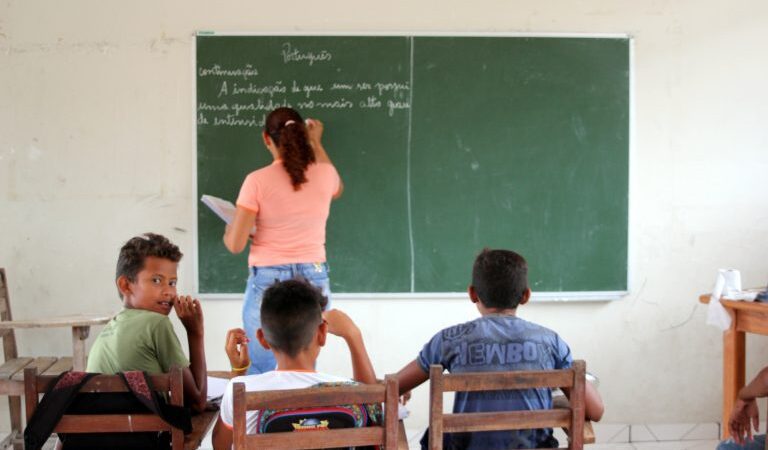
(12, 370)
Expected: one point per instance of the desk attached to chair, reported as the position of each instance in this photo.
(561, 402)
(746, 317)
(81, 326)
(12, 369)
(202, 424)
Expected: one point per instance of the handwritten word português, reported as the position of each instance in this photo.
(294, 55)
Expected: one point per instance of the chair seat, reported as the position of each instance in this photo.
(12, 383)
(13, 369)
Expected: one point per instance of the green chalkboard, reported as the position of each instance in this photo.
(446, 145)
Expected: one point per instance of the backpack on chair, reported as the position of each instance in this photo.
(64, 397)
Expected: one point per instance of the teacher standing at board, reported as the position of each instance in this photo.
(288, 202)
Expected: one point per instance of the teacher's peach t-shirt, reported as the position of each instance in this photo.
(290, 225)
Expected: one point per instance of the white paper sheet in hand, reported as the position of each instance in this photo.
(223, 208)
(402, 411)
(216, 387)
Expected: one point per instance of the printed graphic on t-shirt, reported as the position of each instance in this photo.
(500, 355)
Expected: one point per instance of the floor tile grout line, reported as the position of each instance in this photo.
(610, 439)
(695, 425)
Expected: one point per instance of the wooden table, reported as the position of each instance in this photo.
(746, 317)
(81, 326)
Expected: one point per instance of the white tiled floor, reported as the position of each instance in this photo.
(693, 444)
(689, 444)
(668, 445)
(618, 437)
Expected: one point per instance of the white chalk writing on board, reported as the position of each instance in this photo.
(216, 70)
(292, 54)
(244, 104)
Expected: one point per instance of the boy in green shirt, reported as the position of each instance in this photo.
(141, 336)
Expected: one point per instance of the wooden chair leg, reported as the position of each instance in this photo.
(14, 410)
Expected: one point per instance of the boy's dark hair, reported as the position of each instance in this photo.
(291, 310)
(500, 278)
(137, 249)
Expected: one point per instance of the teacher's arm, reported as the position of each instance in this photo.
(315, 135)
(236, 233)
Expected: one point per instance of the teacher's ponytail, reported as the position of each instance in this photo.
(287, 130)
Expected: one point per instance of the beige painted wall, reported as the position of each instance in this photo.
(96, 146)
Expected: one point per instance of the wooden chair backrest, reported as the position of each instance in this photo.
(9, 338)
(317, 397)
(571, 418)
(171, 383)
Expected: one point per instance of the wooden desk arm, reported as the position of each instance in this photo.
(78, 321)
(80, 325)
(561, 402)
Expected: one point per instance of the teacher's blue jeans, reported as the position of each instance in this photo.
(758, 443)
(260, 278)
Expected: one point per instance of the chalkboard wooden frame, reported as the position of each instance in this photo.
(537, 296)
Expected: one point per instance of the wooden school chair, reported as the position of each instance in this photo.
(571, 418)
(12, 370)
(316, 397)
(171, 383)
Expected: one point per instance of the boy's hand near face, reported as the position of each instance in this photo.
(342, 325)
(190, 314)
(236, 347)
(195, 376)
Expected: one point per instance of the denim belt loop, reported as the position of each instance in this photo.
(254, 270)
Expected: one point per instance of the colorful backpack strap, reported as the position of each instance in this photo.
(140, 385)
(54, 404)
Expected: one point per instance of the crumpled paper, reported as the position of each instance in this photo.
(728, 283)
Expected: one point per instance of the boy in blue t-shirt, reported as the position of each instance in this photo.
(497, 341)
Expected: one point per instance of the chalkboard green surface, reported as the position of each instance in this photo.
(446, 145)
